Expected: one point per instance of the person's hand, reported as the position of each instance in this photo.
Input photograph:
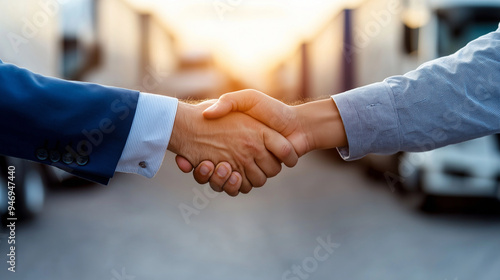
(309, 126)
(315, 125)
(223, 179)
(248, 146)
(271, 112)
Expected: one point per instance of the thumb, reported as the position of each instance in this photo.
(218, 110)
(257, 105)
(239, 101)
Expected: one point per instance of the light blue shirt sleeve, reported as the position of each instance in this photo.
(149, 135)
(445, 101)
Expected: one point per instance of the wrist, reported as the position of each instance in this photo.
(322, 124)
(180, 129)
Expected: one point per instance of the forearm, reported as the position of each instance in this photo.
(78, 127)
(322, 124)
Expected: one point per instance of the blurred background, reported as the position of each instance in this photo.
(432, 215)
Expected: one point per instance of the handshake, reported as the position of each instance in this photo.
(240, 140)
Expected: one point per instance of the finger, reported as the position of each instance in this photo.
(280, 147)
(203, 172)
(234, 189)
(234, 183)
(220, 176)
(255, 175)
(268, 163)
(242, 184)
(183, 164)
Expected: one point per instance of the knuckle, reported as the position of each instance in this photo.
(200, 179)
(260, 182)
(286, 150)
(250, 145)
(277, 122)
(215, 182)
(231, 190)
(276, 170)
(233, 194)
(245, 185)
(225, 97)
(288, 153)
(215, 187)
(246, 161)
(245, 190)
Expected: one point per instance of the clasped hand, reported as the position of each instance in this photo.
(249, 134)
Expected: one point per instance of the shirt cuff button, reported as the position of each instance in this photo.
(143, 164)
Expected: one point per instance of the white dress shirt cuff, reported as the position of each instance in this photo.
(149, 135)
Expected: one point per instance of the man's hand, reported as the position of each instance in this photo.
(271, 112)
(223, 179)
(309, 126)
(314, 125)
(248, 146)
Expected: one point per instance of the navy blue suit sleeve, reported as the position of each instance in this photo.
(79, 127)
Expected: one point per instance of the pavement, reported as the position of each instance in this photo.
(324, 219)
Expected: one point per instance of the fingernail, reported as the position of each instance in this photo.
(222, 171)
(204, 170)
(233, 179)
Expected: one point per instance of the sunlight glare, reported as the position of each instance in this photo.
(252, 35)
